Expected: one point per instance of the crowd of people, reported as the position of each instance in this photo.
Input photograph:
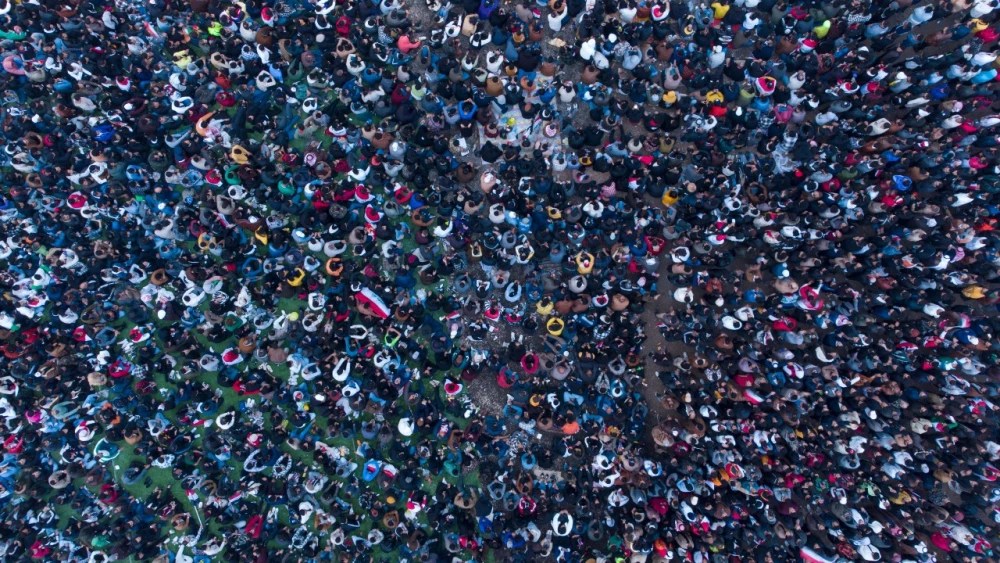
(499, 280)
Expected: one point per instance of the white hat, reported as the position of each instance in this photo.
(731, 323)
(405, 426)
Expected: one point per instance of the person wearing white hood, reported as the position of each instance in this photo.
(588, 48)
(557, 15)
(921, 15)
(983, 8)
(631, 58)
(989, 121)
(983, 58)
(717, 57)
(899, 83)
(627, 11)
(109, 19)
(600, 60)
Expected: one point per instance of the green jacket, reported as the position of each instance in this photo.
(13, 35)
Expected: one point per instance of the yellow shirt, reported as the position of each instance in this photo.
(669, 198)
(544, 309)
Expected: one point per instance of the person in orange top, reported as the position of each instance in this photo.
(571, 426)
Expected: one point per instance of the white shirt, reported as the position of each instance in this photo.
(892, 470)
